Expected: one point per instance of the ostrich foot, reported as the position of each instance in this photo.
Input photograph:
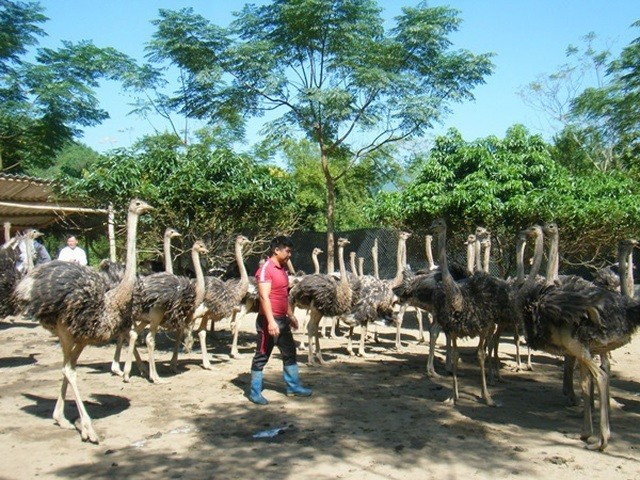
(431, 373)
(351, 353)
(86, 432)
(616, 404)
(491, 403)
(363, 355)
(158, 380)
(207, 366)
(116, 370)
(450, 402)
(596, 443)
(235, 355)
(62, 422)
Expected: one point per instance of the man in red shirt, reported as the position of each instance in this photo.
(275, 321)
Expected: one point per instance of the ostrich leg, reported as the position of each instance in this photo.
(71, 352)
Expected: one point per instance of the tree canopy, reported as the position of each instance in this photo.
(202, 192)
(328, 69)
(44, 104)
(508, 184)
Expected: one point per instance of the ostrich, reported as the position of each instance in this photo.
(468, 308)
(222, 299)
(169, 233)
(168, 301)
(419, 290)
(112, 272)
(316, 270)
(72, 302)
(551, 232)
(324, 296)
(376, 299)
(566, 318)
(10, 275)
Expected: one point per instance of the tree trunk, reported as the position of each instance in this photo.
(331, 203)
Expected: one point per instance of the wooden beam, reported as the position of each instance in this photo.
(53, 208)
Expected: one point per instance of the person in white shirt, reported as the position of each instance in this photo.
(72, 252)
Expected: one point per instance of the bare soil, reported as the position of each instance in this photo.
(379, 417)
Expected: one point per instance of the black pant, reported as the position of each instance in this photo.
(266, 342)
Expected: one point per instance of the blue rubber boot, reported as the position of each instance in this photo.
(291, 378)
(256, 388)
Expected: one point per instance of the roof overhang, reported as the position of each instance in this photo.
(29, 202)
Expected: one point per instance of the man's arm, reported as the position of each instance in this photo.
(264, 289)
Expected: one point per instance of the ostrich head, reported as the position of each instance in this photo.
(550, 228)
(199, 247)
(317, 251)
(471, 239)
(628, 244)
(534, 231)
(481, 233)
(438, 225)
(242, 240)
(171, 233)
(404, 235)
(343, 242)
(139, 207)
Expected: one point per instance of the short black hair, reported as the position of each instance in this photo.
(281, 241)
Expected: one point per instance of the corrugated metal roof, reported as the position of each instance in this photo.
(28, 202)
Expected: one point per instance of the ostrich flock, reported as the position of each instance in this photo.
(582, 321)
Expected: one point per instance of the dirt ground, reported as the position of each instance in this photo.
(379, 417)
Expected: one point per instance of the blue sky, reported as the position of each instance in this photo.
(528, 37)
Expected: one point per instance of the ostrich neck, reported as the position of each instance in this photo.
(478, 255)
(552, 266)
(520, 259)
(360, 267)
(352, 264)
(626, 276)
(290, 268)
(374, 257)
(471, 256)
(343, 268)
(168, 261)
(29, 251)
(200, 287)
(487, 257)
(629, 274)
(429, 251)
(538, 251)
(244, 278)
(316, 264)
(447, 279)
(401, 261)
(124, 290)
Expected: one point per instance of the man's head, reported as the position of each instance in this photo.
(280, 248)
(72, 241)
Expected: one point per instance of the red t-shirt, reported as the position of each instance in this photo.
(271, 272)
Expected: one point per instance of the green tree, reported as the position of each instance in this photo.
(354, 191)
(46, 103)
(593, 102)
(329, 69)
(508, 184)
(71, 161)
(203, 193)
(614, 108)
